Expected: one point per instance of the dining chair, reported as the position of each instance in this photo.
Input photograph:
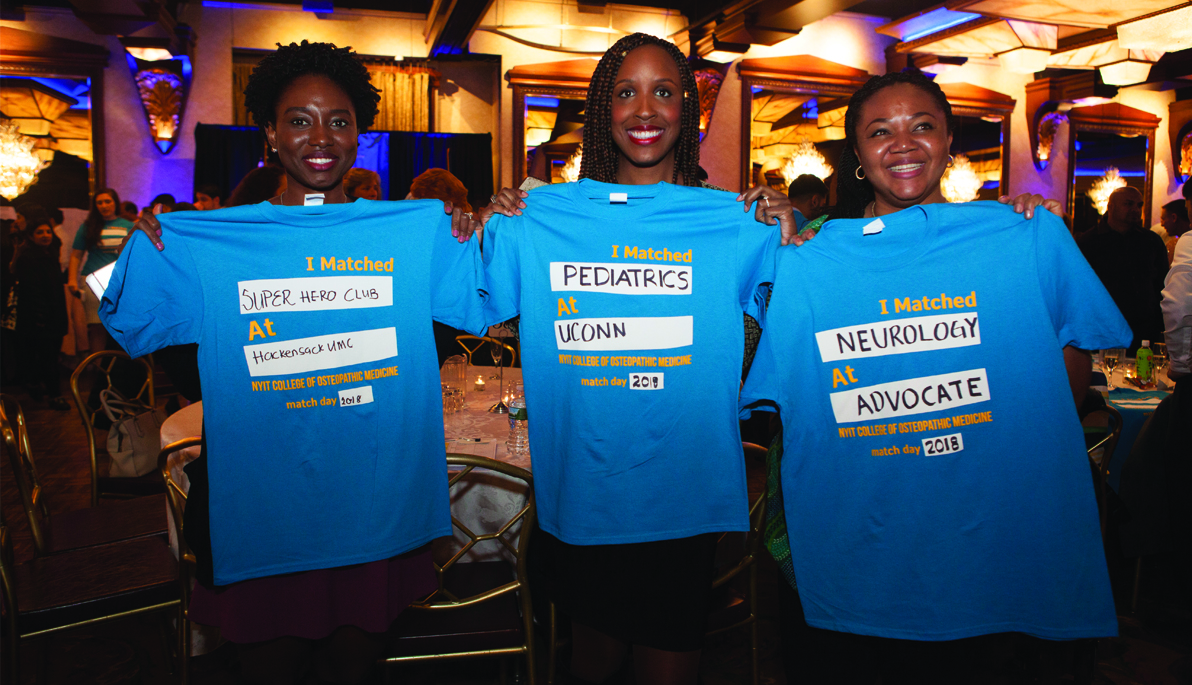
(1100, 469)
(731, 607)
(176, 497)
(122, 520)
(113, 369)
(479, 609)
(471, 344)
(82, 587)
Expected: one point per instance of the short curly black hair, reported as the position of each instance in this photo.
(277, 71)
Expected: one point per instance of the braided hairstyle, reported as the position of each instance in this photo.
(601, 156)
(277, 71)
(853, 195)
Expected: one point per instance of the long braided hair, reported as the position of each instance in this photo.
(853, 195)
(601, 156)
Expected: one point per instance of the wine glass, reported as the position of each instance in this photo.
(1109, 362)
(1159, 358)
(497, 350)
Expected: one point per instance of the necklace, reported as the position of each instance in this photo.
(871, 210)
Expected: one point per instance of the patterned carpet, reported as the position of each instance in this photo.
(1153, 649)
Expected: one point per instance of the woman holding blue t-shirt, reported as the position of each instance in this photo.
(911, 553)
(99, 239)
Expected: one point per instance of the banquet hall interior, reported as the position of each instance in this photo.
(142, 104)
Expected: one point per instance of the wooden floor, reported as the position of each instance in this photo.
(1151, 652)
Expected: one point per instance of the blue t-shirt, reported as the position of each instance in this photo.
(934, 471)
(320, 383)
(631, 364)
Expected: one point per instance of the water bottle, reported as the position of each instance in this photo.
(1142, 362)
(518, 443)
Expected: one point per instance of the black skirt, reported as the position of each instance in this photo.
(653, 594)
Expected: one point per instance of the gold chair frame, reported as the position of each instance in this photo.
(24, 469)
(748, 562)
(1101, 470)
(104, 360)
(442, 599)
(461, 339)
(12, 610)
(186, 558)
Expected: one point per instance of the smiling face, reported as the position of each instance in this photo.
(902, 143)
(315, 136)
(106, 206)
(43, 235)
(646, 113)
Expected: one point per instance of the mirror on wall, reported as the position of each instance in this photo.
(977, 156)
(553, 131)
(54, 110)
(1101, 163)
(1111, 145)
(788, 138)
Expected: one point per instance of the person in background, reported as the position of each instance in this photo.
(441, 185)
(362, 183)
(1174, 219)
(128, 210)
(258, 185)
(41, 309)
(99, 239)
(1131, 262)
(166, 200)
(809, 196)
(208, 196)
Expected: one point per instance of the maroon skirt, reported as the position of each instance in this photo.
(312, 604)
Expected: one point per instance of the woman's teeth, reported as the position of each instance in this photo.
(901, 168)
(645, 135)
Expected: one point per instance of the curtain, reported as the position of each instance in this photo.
(468, 156)
(240, 74)
(405, 98)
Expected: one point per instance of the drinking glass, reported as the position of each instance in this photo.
(497, 350)
(1109, 362)
(1159, 357)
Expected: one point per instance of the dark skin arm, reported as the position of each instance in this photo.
(1079, 364)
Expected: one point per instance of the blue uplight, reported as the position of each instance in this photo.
(217, 4)
(1077, 144)
(539, 101)
(1101, 172)
(933, 22)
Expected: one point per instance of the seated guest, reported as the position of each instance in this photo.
(1174, 219)
(128, 210)
(441, 185)
(208, 196)
(1131, 262)
(809, 196)
(362, 183)
(258, 185)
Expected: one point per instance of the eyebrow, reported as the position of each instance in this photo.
(913, 116)
(664, 79)
(306, 110)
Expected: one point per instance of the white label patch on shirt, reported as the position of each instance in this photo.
(873, 227)
(900, 336)
(625, 333)
(620, 279)
(329, 351)
(911, 396)
(314, 294)
(353, 396)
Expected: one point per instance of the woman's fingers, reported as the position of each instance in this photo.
(150, 226)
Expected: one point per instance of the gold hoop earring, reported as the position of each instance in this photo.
(859, 173)
(951, 161)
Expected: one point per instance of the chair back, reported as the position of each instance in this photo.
(8, 600)
(519, 527)
(128, 372)
(176, 500)
(1107, 445)
(24, 470)
(757, 519)
(471, 344)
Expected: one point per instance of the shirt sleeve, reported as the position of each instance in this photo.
(1177, 307)
(154, 299)
(80, 239)
(760, 392)
(757, 249)
(1083, 314)
(458, 290)
(502, 268)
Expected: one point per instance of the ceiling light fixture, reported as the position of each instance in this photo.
(806, 160)
(19, 164)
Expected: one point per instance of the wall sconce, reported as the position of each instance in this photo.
(163, 85)
(1049, 126)
(707, 82)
